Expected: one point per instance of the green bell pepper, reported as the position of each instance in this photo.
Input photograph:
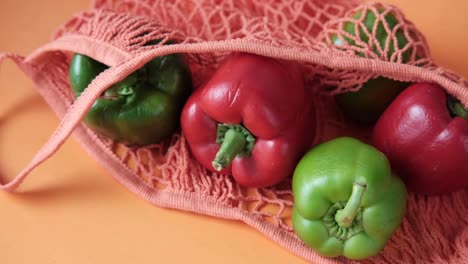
(142, 109)
(367, 104)
(346, 200)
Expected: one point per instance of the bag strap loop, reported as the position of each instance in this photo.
(71, 119)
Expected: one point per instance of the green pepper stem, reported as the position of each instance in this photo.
(233, 144)
(123, 88)
(345, 217)
(456, 108)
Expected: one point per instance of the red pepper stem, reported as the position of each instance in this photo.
(457, 109)
(345, 217)
(235, 140)
(233, 144)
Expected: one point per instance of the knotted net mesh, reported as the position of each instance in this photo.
(434, 229)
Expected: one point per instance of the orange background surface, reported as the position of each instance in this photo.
(72, 211)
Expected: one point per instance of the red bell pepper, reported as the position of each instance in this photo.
(252, 119)
(424, 133)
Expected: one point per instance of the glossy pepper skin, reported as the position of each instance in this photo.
(367, 104)
(425, 137)
(142, 109)
(252, 119)
(346, 200)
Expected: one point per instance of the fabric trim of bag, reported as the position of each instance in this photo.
(71, 119)
(387, 69)
(123, 64)
(107, 78)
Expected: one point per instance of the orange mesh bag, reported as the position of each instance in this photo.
(115, 32)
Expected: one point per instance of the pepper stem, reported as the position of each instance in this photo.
(123, 88)
(456, 108)
(235, 140)
(345, 216)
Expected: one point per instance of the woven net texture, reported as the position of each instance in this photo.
(434, 229)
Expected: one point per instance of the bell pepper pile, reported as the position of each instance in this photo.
(423, 132)
(253, 119)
